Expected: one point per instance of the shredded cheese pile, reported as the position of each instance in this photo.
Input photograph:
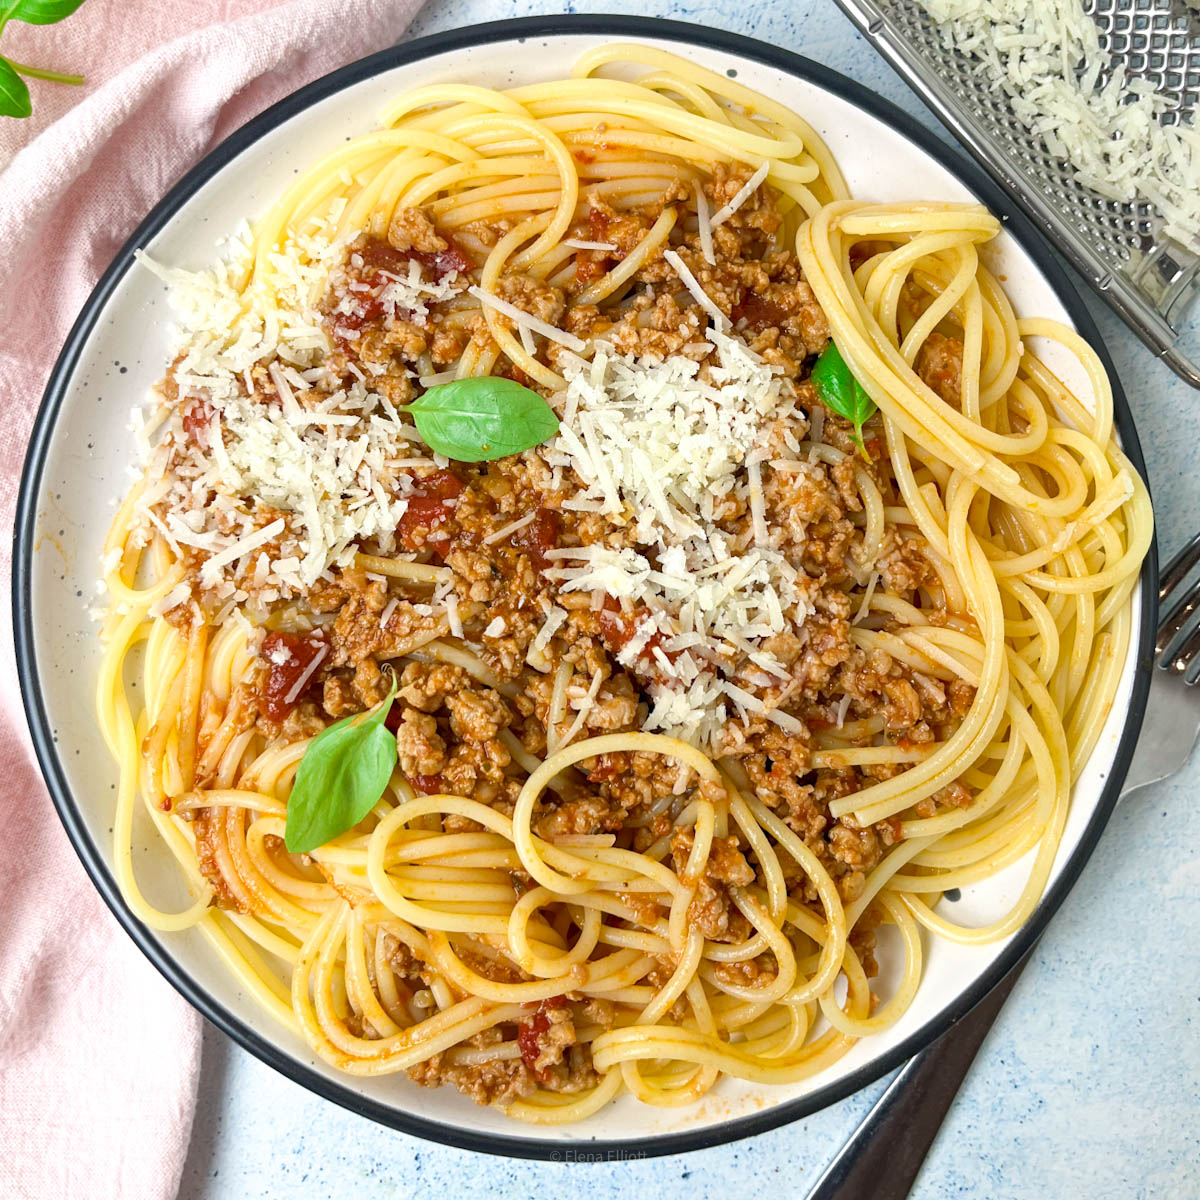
(667, 448)
(405, 296)
(221, 331)
(293, 471)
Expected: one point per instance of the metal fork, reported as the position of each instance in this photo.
(884, 1154)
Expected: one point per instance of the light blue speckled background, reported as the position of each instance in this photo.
(1089, 1085)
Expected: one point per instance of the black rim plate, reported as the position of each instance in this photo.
(95, 861)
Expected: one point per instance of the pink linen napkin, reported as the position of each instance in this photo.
(98, 1055)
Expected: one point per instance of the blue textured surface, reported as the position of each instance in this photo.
(1089, 1085)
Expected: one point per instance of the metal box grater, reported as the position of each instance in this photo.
(1149, 279)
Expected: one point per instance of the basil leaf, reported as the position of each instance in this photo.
(840, 391)
(14, 95)
(341, 776)
(42, 12)
(477, 420)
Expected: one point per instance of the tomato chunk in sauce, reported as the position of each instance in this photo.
(531, 1029)
(540, 535)
(196, 419)
(619, 628)
(291, 659)
(757, 311)
(378, 255)
(429, 508)
(380, 260)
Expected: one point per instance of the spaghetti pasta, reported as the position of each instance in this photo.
(670, 751)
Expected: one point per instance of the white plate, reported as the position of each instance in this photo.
(79, 464)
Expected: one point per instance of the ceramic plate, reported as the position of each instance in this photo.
(79, 464)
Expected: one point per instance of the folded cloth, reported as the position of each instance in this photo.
(98, 1056)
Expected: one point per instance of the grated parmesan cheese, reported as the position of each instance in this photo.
(508, 530)
(704, 223)
(243, 545)
(555, 619)
(178, 595)
(280, 430)
(455, 618)
(656, 444)
(865, 607)
(583, 705)
(389, 608)
(297, 688)
(408, 297)
(701, 297)
(1077, 99)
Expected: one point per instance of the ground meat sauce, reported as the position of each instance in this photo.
(454, 733)
(939, 363)
(531, 1035)
(427, 785)
(756, 312)
(381, 256)
(375, 262)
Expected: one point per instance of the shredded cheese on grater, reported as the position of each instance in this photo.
(1047, 59)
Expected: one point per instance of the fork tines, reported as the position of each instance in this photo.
(1178, 642)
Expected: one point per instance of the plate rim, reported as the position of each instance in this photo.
(95, 861)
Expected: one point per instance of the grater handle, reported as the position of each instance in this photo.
(1185, 367)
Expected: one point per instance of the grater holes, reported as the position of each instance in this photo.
(1149, 39)
(1157, 41)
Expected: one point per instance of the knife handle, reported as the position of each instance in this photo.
(885, 1153)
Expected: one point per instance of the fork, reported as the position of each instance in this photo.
(884, 1154)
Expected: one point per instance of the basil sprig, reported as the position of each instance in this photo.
(340, 778)
(840, 391)
(477, 420)
(14, 94)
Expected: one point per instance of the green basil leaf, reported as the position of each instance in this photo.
(43, 12)
(341, 776)
(477, 420)
(839, 391)
(14, 95)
